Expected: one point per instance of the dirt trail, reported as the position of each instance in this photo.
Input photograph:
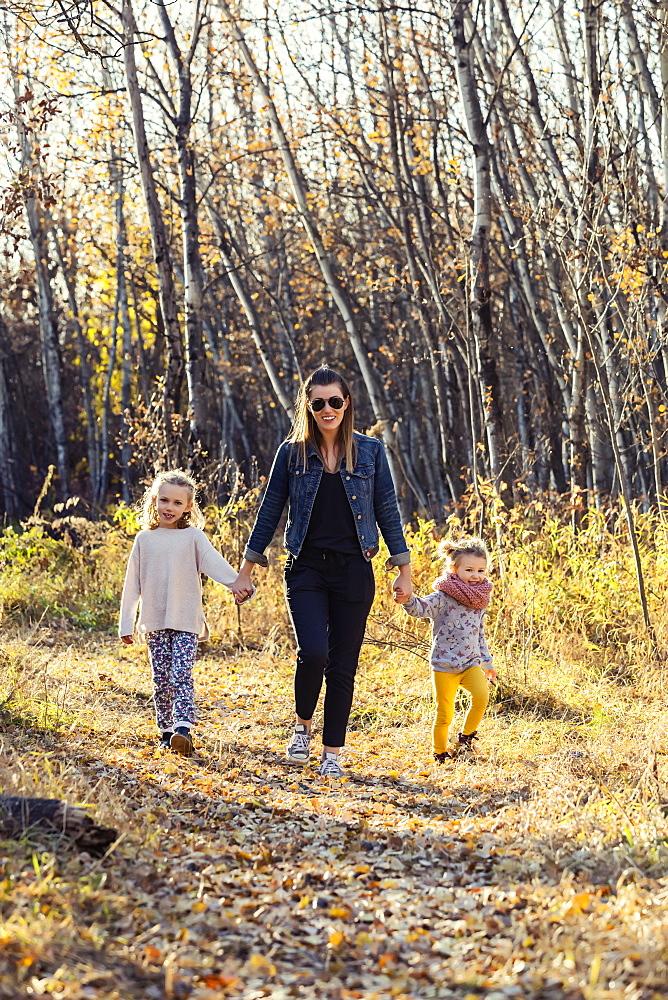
(237, 875)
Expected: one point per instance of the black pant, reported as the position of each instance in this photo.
(329, 597)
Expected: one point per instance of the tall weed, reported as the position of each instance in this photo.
(565, 606)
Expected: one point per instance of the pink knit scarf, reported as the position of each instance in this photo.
(473, 595)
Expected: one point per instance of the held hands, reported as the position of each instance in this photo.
(402, 588)
(242, 588)
(241, 596)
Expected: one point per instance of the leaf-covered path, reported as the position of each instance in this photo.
(238, 875)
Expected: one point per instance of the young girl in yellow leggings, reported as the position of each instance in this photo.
(459, 653)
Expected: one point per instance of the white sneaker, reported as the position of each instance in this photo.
(330, 767)
(297, 750)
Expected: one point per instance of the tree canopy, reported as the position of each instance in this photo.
(464, 207)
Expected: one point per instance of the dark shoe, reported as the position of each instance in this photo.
(442, 758)
(464, 747)
(181, 741)
(165, 739)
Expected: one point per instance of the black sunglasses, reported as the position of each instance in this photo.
(336, 402)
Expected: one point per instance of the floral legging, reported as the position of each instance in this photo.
(172, 657)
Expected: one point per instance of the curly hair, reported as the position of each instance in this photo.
(173, 477)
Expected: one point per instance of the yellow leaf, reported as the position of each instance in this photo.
(262, 963)
(335, 938)
(579, 903)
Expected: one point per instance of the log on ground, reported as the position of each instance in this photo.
(17, 815)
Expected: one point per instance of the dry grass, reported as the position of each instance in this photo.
(541, 870)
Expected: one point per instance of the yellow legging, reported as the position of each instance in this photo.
(472, 680)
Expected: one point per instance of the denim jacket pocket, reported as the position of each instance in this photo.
(299, 482)
(362, 478)
(364, 471)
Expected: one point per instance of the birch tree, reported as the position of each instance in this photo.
(162, 253)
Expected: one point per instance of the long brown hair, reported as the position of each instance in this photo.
(305, 430)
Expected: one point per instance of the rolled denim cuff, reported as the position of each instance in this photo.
(400, 559)
(255, 557)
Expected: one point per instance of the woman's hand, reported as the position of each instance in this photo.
(402, 587)
(243, 588)
(127, 639)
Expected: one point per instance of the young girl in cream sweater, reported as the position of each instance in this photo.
(163, 585)
(459, 653)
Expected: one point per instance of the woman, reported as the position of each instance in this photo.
(339, 491)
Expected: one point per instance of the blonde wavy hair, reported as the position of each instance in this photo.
(305, 430)
(454, 550)
(174, 477)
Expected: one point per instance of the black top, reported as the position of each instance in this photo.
(331, 525)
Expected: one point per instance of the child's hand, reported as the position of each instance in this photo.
(491, 675)
(402, 586)
(243, 594)
(127, 639)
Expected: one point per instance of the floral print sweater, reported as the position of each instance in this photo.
(458, 634)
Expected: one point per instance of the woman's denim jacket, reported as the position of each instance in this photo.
(369, 488)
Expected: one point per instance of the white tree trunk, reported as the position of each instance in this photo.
(338, 293)
(159, 238)
(50, 347)
(7, 449)
(195, 360)
(479, 284)
(663, 59)
(246, 303)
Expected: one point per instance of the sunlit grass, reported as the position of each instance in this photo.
(571, 786)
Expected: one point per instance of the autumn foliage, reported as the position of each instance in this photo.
(522, 874)
(463, 208)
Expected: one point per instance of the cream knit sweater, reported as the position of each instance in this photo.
(163, 580)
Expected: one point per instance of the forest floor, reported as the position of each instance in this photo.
(538, 871)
